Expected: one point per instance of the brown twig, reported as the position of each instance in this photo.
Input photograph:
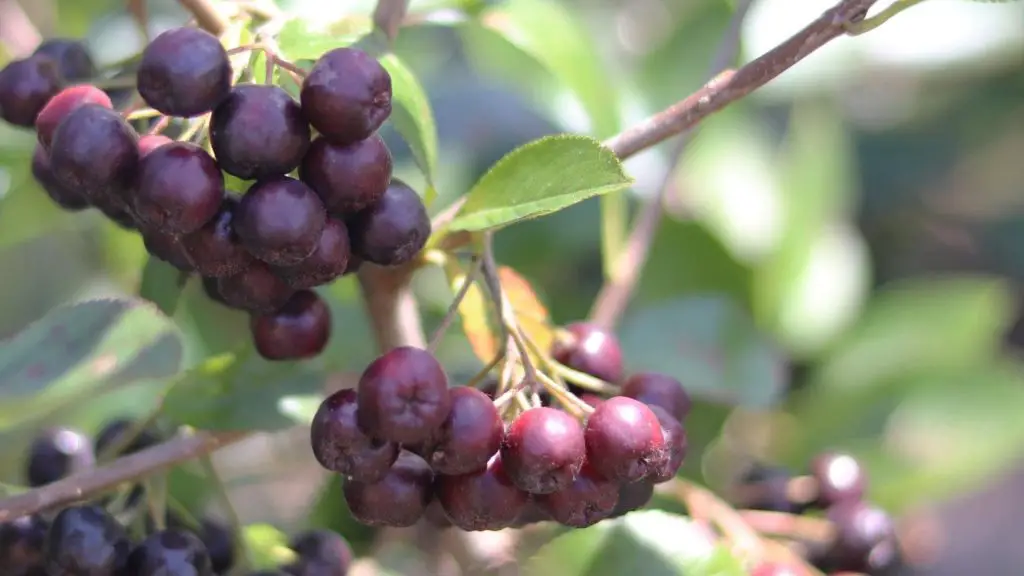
(207, 16)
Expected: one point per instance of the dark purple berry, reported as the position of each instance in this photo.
(341, 446)
(180, 188)
(21, 546)
(219, 541)
(117, 431)
(72, 58)
(171, 551)
(469, 436)
(215, 249)
(589, 499)
(169, 248)
(328, 261)
(320, 553)
(398, 500)
(861, 529)
(117, 210)
(299, 329)
(839, 477)
(590, 349)
(95, 152)
(485, 499)
(348, 178)
(659, 390)
(151, 142)
(543, 450)
(184, 72)
(392, 231)
(212, 291)
(280, 220)
(403, 396)
(57, 453)
(633, 497)
(256, 289)
(62, 104)
(676, 443)
(85, 540)
(67, 198)
(624, 440)
(346, 95)
(25, 87)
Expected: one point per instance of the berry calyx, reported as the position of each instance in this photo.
(215, 249)
(95, 151)
(57, 453)
(676, 444)
(340, 445)
(25, 87)
(659, 390)
(171, 551)
(403, 396)
(179, 188)
(62, 103)
(348, 178)
(184, 72)
(280, 220)
(543, 450)
(328, 261)
(67, 198)
(86, 540)
(485, 499)
(22, 541)
(392, 231)
(398, 500)
(321, 552)
(346, 95)
(586, 501)
(624, 440)
(298, 329)
(469, 436)
(839, 477)
(255, 289)
(590, 349)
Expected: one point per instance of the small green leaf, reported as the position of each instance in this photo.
(710, 345)
(413, 119)
(298, 40)
(162, 285)
(267, 546)
(539, 178)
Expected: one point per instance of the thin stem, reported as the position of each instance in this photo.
(453, 309)
(123, 440)
(583, 380)
(142, 114)
(156, 500)
(858, 27)
(207, 16)
(210, 469)
(159, 126)
(508, 315)
(567, 399)
(792, 526)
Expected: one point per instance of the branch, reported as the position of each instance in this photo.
(391, 306)
(208, 17)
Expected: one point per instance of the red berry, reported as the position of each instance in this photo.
(341, 446)
(675, 442)
(590, 349)
(403, 396)
(398, 500)
(624, 440)
(469, 436)
(62, 104)
(543, 450)
(482, 500)
(659, 390)
(589, 499)
(299, 329)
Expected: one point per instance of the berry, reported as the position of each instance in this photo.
(21, 546)
(675, 443)
(72, 58)
(469, 436)
(259, 131)
(57, 453)
(96, 152)
(633, 497)
(348, 178)
(86, 541)
(67, 198)
(115, 429)
(151, 142)
(25, 87)
(482, 500)
(321, 553)
(403, 396)
(216, 537)
(299, 329)
(341, 446)
(256, 289)
(392, 231)
(861, 529)
(215, 249)
(280, 220)
(765, 487)
(62, 104)
(346, 95)
(184, 72)
(624, 440)
(169, 248)
(592, 399)
(590, 349)
(114, 208)
(586, 501)
(170, 551)
(659, 390)
(543, 450)
(839, 477)
(180, 188)
(774, 569)
(398, 500)
(327, 262)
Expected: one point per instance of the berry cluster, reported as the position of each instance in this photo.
(863, 537)
(408, 444)
(317, 205)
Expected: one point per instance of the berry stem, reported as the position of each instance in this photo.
(486, 370)
(159, 126)
(210, 469)
(453, 309)
(569, 400)
(791, 526)
(156, 499)
(207, 16)
(581, 379)
(142, 114)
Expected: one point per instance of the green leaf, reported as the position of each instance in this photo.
(162, 285)
(539, 178)
(299, 40)
(413, 119)
(267, 546)
(710, 345)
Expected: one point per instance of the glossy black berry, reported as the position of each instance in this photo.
(171, 551)
(215, 249)
(862, 531)
(588, 348)
(179, 189)
(328, 261)
(633, 497)
(398, 500)
(346, 95)
(320, 553)
(624, 440)
(586, 501)
(348, 178)
(838, 477)
(167, 247)
(22, 541)
(340, 445)
(280, 220)
(543, 450)
(184, 72)
(57, 453)
(403, 396)
(299, 329)
(95, 152)
(72, 58)
(676, 445)
(392, 231)
(659, 390)
(256, 289)
(764, 487)
(485, 499)
(26, 86)
(67, 198)
(62, 103)
(86, 541)
(469, 436)
(117, 431)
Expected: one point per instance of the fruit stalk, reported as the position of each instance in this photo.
(207, 16)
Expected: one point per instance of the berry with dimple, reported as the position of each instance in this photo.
(346, 95)
(861, 531)
(485, 499)
(67, 198)
(839, 477)
(403, 396)
(179, 189)
(280, 220)
(256, 289)
(676, 444)
(320, 553)
(340, 445)
(624, 440)
(259, 131)
(659, 390)
(26, 86)
(633, 497)
(72, 58)
(328, 261)
(86, 540)
(299, 329)
(398, 500)
(469, 436)
(348, 178)
(392, 231)
(171, 551)
(57, 453)
(150, 142)
(543, 450)
(764, 487)
(588, 348)
(21, 545)
(167, 247)
(62, 103)
(215, 249)
(96, 152)
(586, 501)
(184, 72)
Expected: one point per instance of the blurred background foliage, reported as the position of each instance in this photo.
(840, 259)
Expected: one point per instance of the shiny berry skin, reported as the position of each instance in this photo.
(256, 289)
(21, 545)
(346, 95)
(633, 497)
(67, 198)
(328, 261)
(299, 329)
(72, 58)
(624, 440)
(659, 390)
(676, 444)
(62, 103)
(95, 152)
(26, 86)
(171, 551)
(348, 178)
(469, 436)
(589, 499)
(485, 499)
(321, 553)
(543, 450)
(590, 349)
(184, 72)
(398, 500)
(839, 478)
(341, 446)
(179, 189)
(259, 131)
(58, 453)
(85, 540)
(169, 248)
(861, 530)
(280, 220)
(215, 249)
(403, 396)
(392, 231)
(151, 142)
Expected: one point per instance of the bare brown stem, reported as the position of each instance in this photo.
(207, 16)
(453, 309)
